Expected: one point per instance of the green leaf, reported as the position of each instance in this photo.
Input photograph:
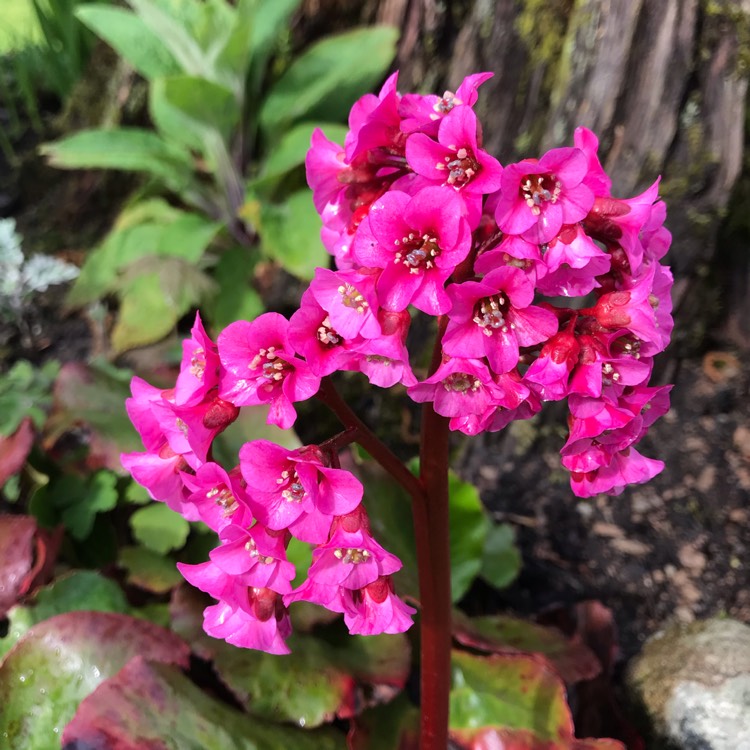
(290, 152)
(159, 528)
(100, 495)
(290, 234)
(205, 104)
(329, 76)
(129, 149)
(131, 38)
(469, 527)
(235, 298)
(147, 229)
(61, 660)
(149, 570)
(81, 590)
(152, 301)
(174, 36)
(25, 391)
(393, 726)
(184, 717)
(511, 692)
(501, 560)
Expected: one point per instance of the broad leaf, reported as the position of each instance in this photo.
(573, 660)
(159, 528)
(82, 590)
(394, 726)
(99, 495)
(25, 393)
(501, 560)
(16, 558)
(149, 570)
(154, 706)
(129, 149)
(290, 234)
(155, 293)
(131, 38)
(61, 660)
(468, 530)
(512, 701)
(325, 80)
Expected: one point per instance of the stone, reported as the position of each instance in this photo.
(693, 683)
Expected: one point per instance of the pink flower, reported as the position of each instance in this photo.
(376, 609)
(418, 242)
(626, 467)
(199, 370)
(538, 197)
(294, 490)
(493, 317)
(596, 178)
(217, 498)
(551, 370)
(260, 367)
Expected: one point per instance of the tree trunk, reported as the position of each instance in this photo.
(662, 82)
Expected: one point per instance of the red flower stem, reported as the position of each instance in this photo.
(368, 440)
(433, 555)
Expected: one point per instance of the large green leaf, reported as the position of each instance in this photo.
(155, 706)
(61, 660)
(501, 560)
(131, 38)
(152, 228)
(469, 527)
(154, 294)
(235, 298)
(329, 76)
(290, 234)
(149, 570)
(159, 528)
(82, 590)
(129, 149)
(174, 35)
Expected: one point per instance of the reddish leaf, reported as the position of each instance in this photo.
(508, 739)
(64, 659)
(154, 707)
(47, 545)
(500, 634)
(16, 558)
(14, 449)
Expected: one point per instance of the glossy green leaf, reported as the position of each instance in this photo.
(61, 660)
(501, 560)
(81, 590)
(159, 528)
(149, 570)
(100, 495)
(131, 38)
(129, 149)
(468, 530)
(573, 660)
(155, 706)
(512, 692)
(326, 79)
(290, 234)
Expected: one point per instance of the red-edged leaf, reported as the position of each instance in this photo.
(16, 558)
(14, 449)
(514, 702)
(47, 546)
(150, 706)
(501, 634)
(61, 660)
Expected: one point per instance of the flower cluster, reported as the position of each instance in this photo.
(417, 215)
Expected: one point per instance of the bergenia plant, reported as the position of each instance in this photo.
(543, 287)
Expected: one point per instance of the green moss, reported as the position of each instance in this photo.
(725, 16)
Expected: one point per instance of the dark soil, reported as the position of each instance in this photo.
(674, 549)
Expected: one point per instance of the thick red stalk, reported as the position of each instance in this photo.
(433, 556)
